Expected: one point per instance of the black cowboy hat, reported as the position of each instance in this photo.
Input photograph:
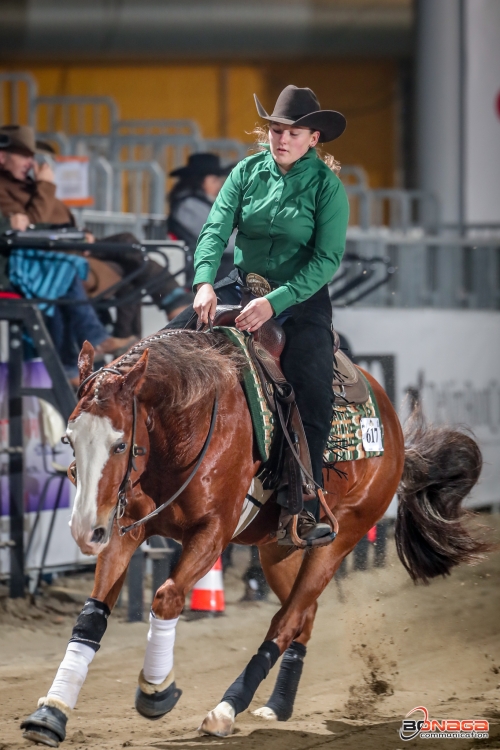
(301, 108)
(22, 138)
(201, 165)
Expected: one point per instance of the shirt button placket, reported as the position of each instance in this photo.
(276, 203)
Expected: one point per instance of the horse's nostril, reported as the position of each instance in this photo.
(98, 535)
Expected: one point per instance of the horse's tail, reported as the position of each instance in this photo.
(441, 467)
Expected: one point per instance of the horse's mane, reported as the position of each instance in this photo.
(185, 366)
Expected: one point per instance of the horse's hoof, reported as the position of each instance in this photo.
(47, 726)
(156, 705)
(219, 722)
(265, 713)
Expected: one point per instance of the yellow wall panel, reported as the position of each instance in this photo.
(220, 98)
(245, 81)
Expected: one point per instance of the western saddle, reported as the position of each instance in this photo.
(290, 463)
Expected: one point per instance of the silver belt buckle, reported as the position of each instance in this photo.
(258, 285)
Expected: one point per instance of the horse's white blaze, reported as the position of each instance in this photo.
(92, 437)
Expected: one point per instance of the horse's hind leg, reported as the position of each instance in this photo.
(47, 725)
(293, 621)
(281, 572)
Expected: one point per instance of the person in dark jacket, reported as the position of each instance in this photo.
(27, 199)
(191, 200)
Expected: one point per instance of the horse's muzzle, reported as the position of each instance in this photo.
(92, 541)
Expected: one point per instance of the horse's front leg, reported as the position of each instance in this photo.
(157, 693)
(47, 725)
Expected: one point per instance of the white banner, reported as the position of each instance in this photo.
(482, 102)
(451, 356)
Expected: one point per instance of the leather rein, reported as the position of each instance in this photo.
(138, 450)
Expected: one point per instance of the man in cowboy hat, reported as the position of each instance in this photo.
(191, 200)
(27, 199)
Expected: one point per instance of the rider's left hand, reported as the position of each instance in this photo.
(254, 315)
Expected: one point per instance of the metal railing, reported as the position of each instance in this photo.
(230, 150)
(142, 183)
(396, 209)
(74, 115)
(158, 127)
(18, 90)
(105, 223)
(427, 270)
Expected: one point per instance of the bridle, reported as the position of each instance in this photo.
(139, 450)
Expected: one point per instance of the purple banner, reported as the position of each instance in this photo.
(38, 452)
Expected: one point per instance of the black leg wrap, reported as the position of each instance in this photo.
(285, 690)
(91, 624)
(47, 726)
(239, 695)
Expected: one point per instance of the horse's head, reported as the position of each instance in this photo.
(100, 432)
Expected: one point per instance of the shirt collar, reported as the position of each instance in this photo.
(301, 165)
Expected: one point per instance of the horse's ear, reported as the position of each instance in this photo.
(134, 378)
(86, 361)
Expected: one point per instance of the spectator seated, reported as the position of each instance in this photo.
(28, 197)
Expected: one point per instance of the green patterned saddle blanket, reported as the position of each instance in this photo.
(356, 432)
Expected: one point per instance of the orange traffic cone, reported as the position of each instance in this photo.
(208, 594)
(372, 535)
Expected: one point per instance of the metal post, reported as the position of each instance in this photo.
(135, 581)
(360, 554)
(16, 488)
(379, 558)
(160, 554)
(439, 103)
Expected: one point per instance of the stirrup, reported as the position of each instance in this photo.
(290, 536)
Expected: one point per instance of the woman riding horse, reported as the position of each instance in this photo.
(291, 212)
(164, 443)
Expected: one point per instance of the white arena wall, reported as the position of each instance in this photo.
(453, 356)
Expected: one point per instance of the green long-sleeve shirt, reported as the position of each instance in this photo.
(291, 227)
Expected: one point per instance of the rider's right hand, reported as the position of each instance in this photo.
(205, 302)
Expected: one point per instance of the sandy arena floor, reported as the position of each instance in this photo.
(381, 647)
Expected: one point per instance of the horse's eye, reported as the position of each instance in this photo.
(120, 448)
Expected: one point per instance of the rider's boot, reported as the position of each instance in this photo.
(308, 529)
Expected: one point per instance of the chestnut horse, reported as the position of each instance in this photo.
(174, 404)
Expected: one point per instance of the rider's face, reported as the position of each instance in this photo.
(288, 144)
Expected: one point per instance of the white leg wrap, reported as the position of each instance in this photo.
(71, 674)
(159, 657)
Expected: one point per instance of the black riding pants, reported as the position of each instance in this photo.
(307, 363)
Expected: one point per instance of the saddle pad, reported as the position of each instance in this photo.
(356, 431)
(262, 417)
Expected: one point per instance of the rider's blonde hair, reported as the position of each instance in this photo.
(262, 137)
